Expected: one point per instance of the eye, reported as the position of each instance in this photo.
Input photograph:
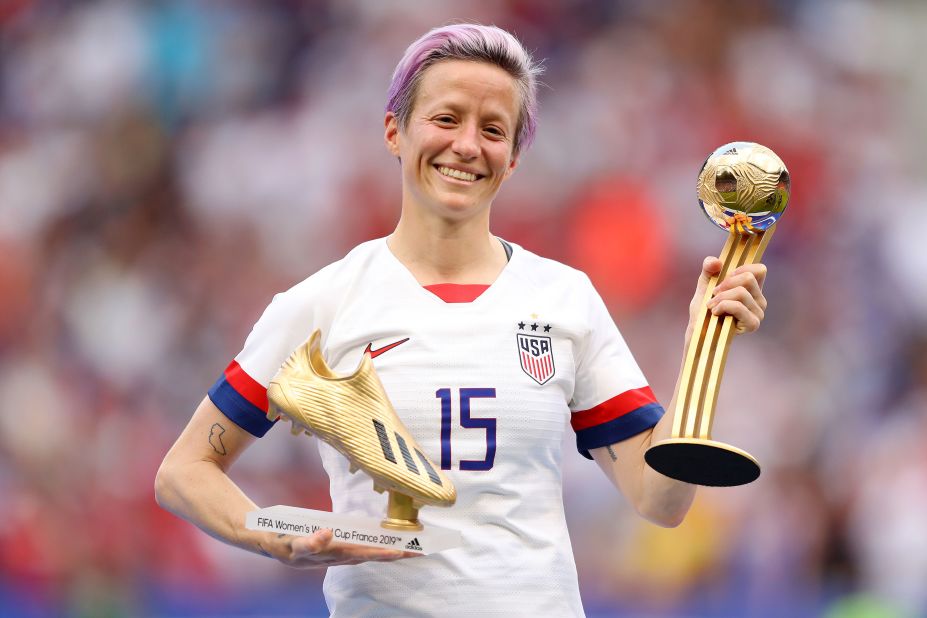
(494, 132)
(444, 119)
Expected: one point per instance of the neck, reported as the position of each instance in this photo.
(435, 252)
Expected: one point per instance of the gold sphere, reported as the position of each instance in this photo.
(744, 186)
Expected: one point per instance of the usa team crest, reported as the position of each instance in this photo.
(536, 355)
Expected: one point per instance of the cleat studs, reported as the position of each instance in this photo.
(377, 488)
(353, 468)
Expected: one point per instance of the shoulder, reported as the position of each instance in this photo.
(321, 292)
(331, 282)
(542, 271)
(313, 303)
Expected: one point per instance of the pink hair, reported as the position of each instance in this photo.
(468, 42)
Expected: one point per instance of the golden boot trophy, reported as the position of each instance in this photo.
(743, 188)
(353, 415)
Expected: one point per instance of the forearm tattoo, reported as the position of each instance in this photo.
(215, 438)
(611, 453)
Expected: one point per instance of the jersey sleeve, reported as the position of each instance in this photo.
(241, 391)
(611, 399)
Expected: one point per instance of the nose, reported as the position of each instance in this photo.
(467, 142)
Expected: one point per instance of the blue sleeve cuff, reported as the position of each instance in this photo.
(618, 429)
(239, 410)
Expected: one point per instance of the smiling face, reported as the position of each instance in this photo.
(457, 148)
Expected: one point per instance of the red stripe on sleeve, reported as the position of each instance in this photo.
(246, 386)
(613, 408)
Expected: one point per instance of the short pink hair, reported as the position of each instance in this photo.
(468, 42)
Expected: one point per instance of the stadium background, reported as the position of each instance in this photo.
(165, 167)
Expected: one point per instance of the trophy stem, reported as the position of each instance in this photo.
(401, 513)
(690, 454)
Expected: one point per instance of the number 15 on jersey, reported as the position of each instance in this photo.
(486, 424)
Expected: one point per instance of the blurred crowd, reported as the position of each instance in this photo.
(166, 167)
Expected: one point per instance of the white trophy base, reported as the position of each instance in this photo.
(352, 529)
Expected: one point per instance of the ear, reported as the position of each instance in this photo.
(391, 135)
(512, 165)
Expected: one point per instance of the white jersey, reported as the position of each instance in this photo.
(487, 388)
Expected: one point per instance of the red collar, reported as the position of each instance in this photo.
(457, 292)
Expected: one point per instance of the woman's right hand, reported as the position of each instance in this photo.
(319, 550)
(193, 483)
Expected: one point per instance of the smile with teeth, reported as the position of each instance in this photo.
(459, 175)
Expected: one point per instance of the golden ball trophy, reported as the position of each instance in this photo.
(353, 415)
(743, 188)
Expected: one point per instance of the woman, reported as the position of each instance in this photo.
(464, 305)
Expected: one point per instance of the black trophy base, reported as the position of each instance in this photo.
(703, 462)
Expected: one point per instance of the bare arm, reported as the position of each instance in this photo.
(658, 498)
(193, 483)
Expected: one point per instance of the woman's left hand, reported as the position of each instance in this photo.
(739, 295)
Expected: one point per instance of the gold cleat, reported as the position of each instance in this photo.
(353, 415)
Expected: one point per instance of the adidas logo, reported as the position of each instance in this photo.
(413, 545)
(731, 151)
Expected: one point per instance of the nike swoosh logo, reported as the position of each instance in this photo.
(375, 353)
